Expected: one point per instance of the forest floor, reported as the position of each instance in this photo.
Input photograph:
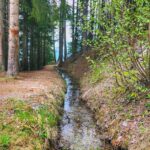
(29, 109)
(125, 124)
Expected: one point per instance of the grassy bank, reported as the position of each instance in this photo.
(29, 122)
(122, 120)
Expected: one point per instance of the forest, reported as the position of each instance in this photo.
(74, 74)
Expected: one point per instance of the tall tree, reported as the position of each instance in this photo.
(73, 26)
(65, 41)
(13, 37)
(84, 21)
(61, 33)
(76, 38)
(1, 35)
(64, 28)
(5, 34)
(24, 39)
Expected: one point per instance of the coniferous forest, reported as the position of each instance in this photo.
(74, 74)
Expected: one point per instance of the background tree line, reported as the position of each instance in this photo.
(26, 34)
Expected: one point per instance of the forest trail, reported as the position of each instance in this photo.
(28, 84)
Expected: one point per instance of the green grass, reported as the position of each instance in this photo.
(21, 125)
(147, 105)
(4, 140)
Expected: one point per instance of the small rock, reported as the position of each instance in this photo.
(125, 124)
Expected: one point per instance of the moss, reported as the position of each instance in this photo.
(21, 125)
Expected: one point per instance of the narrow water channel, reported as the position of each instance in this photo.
(77, 129)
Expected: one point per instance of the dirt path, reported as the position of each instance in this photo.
(29, 84)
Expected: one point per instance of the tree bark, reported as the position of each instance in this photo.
(90, 36)
(25, 45)
(84, 21)
(64, 31)
(54, 45)
(76, 28)
(149, 49)
(65, 42)
(32, 47)
(1, 36)
(73, 26)
(5, 35)
(13, 38)
(60, 60)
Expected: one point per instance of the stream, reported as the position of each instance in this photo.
(78, 129)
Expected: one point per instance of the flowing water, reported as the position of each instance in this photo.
(78, 129)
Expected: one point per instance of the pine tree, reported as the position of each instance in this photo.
(1, 35)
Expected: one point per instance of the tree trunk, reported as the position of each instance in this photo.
(64, 31)
(39, 51)
(13, 38)
(60, 60)
(90, 36)
(1, 35)
(54, 45)
(25, 45)
(73, 26)
(43, 49)
(149, 49)
(84, 21)
(76, 28)
(32, 47)
(5, 35)
(65, 42)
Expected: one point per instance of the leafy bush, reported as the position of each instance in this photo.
(147, 105)
(97, 70)
(122, 37)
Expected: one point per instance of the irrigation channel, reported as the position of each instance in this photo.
(78, 130)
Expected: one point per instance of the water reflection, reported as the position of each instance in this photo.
(78, 129)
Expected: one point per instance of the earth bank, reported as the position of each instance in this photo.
(30, 107)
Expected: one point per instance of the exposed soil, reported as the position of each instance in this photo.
(125, 124)
(28, 84)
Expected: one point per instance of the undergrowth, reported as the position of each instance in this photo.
(98, 70)
(132, 90)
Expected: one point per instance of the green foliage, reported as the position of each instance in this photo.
(121, 35)
(46, 117)
(97, 70)
(19, 122)
(40, 12)
(132, 96)
(143, 129)
(147, 105)
(25, 115)
(148, 96)
(38, 21)
(4, 140)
